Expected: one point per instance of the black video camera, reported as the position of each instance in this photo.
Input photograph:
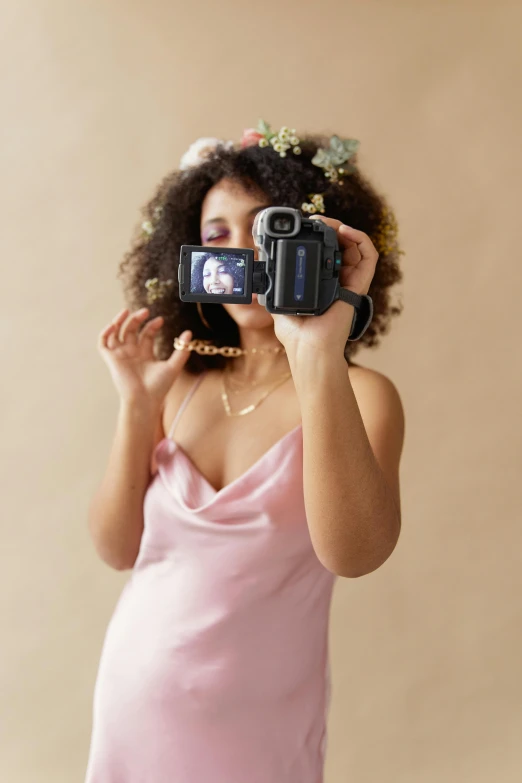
(297, 272)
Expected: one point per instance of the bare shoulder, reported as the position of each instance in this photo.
(361, 375)
(379, 403)
(184, 380)
(175, 396)
(382, 413)
(171, 404)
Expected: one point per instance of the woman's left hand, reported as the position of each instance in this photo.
(330, 331)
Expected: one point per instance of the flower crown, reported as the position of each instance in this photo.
(332, 159)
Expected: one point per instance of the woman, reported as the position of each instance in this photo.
(213, 275)
(283, 475)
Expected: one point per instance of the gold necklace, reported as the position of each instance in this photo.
(249, 408)
(205, 347)
(235, 387)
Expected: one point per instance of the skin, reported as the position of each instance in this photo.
(370, 411)
(227, 217)
(214, 275)
(378, 400)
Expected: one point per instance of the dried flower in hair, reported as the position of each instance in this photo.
(333, 158)
(149, 226)
(157, 289)
(316, 205)
(282, 141)
(386, 238)
(250, 138)
(200, 150)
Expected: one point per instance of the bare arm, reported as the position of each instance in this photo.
(352, 450)
(126, 344)
(116, 510)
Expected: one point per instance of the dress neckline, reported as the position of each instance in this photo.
(175, 447)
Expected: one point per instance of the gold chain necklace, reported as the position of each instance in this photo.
(235, 387)
(249, 408)
(205, 347)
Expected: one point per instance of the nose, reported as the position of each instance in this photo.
(244, 238)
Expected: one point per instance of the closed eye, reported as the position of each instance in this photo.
(222, 270)
(215, 235)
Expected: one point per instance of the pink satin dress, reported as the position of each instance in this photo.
(215, 666)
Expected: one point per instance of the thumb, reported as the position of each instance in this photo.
(179, 356)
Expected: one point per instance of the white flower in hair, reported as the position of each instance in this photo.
(200, 149)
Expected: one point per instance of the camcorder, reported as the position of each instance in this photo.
(297, 272)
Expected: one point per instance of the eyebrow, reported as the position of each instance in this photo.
(253, 211)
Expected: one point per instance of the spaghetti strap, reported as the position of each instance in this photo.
(184, 404)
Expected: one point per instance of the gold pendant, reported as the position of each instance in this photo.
(249, 408)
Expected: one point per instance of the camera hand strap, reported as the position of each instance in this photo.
(363, 314)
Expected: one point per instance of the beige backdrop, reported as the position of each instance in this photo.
(99, 99)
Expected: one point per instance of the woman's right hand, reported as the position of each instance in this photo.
(129, 354)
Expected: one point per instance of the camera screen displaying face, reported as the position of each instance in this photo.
(218, 273)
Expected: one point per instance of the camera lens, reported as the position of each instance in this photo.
(282, 224)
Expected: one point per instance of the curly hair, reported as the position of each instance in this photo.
(175, 211)
(231, 265)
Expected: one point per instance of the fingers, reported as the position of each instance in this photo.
(129, 331)
(357, 242)
(351, 252)
(150, 329)
(179, 356)
(363, 242)
(111, 329)
(148, 335)
(122, 329)
(333, 222)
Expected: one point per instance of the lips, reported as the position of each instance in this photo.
(216, 290)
